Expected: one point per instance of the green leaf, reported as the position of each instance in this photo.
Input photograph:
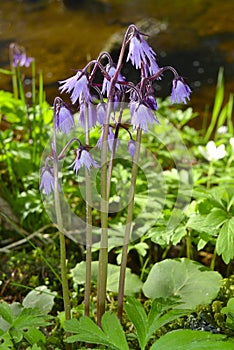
(112, 328)
(159, 322)
(192, 340)
(6, 341)
(229, 312)
(133, 283)
(5, 71)
(137, 315)
(41, 298)
(225, 241)
(158, 316)
(216, 218)
(87, 331)
(33, 336)
(6, 313)
(190, 281)
(30, 318)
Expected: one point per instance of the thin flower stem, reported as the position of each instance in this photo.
(209, 175)
(128, 225)
(188, 245)
(111, 163)
(212, 263)
(103, 254)
(65, 289)
(88, 228)
(13, 70)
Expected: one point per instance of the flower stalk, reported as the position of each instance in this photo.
(128, 226)
(63, 259)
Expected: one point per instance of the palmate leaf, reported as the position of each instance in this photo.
(111, 334)
(158, 316)
(225, 241)
(192, 340)
(30, 318)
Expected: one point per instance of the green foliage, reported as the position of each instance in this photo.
(133, 284)
(19, 322)
(190, 281)
(192, 340)
(111, 334)
(229, 312)
(214, 220)
(167, 226)
(161, 313)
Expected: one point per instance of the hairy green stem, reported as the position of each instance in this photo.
(128, 225)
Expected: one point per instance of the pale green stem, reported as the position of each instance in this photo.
(111, 162)
(63, 264)
(230, 160)
(212, 264)
(88, 228)
(128, 225)
(14, 75)
(188, 246)
(103, 253)
(209, 175)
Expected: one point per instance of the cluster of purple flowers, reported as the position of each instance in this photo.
(19, 57)
(85, 93)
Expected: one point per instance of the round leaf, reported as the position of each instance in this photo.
(184, 278)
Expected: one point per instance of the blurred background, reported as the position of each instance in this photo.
(196, 37)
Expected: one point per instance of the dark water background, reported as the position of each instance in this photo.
(195, 36)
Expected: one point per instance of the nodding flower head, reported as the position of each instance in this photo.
(78, 85)
(141, 115)
(141, 54)
(20, 59)
(101, 112)
(83, 158)
(180, 91)
(110, 69)
(63, 116)
(88, 111)
(47, 180)
(110, 139)
(131, 147)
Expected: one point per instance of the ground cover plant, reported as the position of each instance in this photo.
(127, 228)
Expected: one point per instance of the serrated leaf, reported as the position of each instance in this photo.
(216, 218)
(187, 279)
(169, 316)
(192, 340)
(6, 341)
(137, 315)
(225, 241)
(30, 318)
(34, 335)
(113, 330)
(6, 313)
(87, 331)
